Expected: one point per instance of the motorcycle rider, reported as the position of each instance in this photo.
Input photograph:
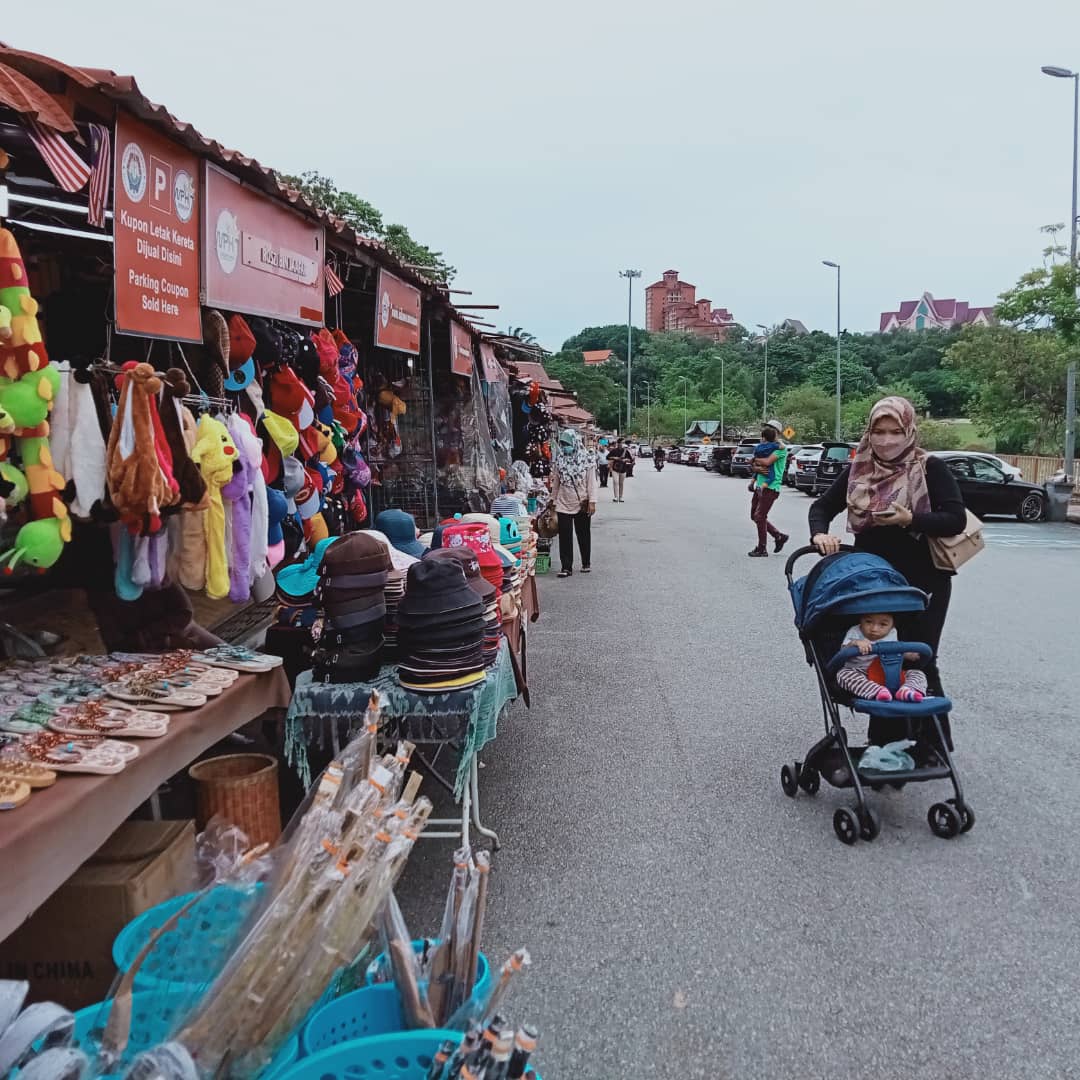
(659, 457)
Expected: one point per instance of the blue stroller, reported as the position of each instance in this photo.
(852, 583)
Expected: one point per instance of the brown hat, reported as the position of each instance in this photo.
(216, 337)
(241, 341)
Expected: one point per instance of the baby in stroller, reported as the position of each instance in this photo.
(863, 676)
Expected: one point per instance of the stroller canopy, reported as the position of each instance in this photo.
(852, 583)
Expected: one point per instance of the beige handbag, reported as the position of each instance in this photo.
(951, 552)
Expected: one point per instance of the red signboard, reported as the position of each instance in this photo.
(259, 257)
(155, 235)
(397, 322)
(461, 356)
(493, 371)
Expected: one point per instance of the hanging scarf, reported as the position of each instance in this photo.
(571, 464)
(874, 484)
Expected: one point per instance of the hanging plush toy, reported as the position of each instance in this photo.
(21, 348)
(215, 454)
(28, 387)
(140, 481)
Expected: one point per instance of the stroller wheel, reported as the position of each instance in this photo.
(944, 821)
(809, 779)
(846, 825)
(870, 824)
(789, 780)
(967, 815)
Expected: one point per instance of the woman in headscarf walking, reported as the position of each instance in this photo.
(896, 495)
(573, 490)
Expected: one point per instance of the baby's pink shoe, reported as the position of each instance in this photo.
(884, 694)
(909, 693)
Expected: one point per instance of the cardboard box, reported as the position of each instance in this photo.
(65, 948)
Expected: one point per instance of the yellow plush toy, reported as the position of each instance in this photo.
(215, 454)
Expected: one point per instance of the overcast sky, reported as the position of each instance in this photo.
(545, 146)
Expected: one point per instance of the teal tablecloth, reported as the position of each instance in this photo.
(337, 709)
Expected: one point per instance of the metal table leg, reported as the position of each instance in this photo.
(473, 788)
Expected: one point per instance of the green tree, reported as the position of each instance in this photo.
(361, 216)
(357, 213)
(1018, 378)
(808, 409)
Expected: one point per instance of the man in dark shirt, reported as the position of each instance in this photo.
(621, 460)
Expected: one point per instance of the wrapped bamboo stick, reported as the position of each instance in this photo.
(483, 871)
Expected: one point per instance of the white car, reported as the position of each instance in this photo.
(1005, 467)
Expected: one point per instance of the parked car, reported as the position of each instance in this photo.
(693, 456)
(987, 489)
(805, 468)
(719, 460)
(1004, 466)
(644, 450)
(740, 460)
(789, 468)
(674, 455)
(834, 456)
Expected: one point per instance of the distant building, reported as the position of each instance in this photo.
(598, 356)
(671, 304)
(931, 314)
(794, 326)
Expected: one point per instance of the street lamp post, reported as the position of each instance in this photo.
(1070, 402)
(629, 275)
(765, 384)
(648, 412)
(836, 267)
(685, 422)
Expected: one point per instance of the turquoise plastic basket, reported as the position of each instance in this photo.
(405, 1055)
(371, 1010)
(483, 970)
(193, 953)
(153, 1016)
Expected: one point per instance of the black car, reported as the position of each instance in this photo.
(988, 489)
(674, 455)
(834, 458)
(719, 460)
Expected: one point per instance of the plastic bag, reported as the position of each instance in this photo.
(892, 757)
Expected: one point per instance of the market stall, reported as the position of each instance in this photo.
(52, 835)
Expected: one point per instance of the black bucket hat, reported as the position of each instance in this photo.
(434, 587)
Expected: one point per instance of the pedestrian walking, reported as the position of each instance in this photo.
(602, 466)
(622, 462)
(769, 464)
(896, 495)
(573, 491)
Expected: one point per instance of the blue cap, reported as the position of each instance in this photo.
(300, 579)
(400, 530)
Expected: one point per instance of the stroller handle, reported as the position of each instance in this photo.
(798, 553)
(880, 648)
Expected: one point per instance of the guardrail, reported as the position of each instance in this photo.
(1037, 470)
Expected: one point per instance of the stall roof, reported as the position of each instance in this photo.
(50, 77)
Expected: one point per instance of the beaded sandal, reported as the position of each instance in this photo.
(13, 793)
(27, 772)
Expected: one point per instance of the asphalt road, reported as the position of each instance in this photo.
(685, 918)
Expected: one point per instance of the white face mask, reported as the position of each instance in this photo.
(888, 447)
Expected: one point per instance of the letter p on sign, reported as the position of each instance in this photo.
(161, 184)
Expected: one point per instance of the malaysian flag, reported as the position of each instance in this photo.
(101, 147)
(70, 170)
(334, 284)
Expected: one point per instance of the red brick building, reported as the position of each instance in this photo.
(671, 304)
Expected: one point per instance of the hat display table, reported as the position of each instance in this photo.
(461, 721)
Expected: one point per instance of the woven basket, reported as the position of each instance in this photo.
(242, 789)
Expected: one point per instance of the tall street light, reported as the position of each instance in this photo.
(629, 275)
(648, 412)
(765, 384)
(1070, 384)
(836, 267)
(1065, 73)
(685, 422)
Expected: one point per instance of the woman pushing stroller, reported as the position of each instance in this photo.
(896, 495)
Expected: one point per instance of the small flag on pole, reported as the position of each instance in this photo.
(334, 284)
(101, 146)
(70, 171)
